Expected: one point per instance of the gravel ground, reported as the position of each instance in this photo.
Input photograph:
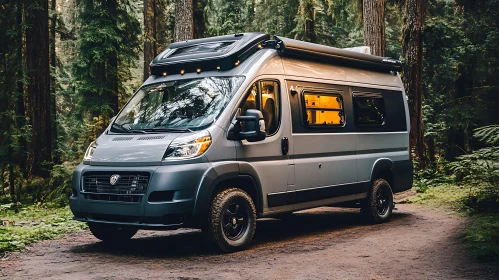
(323, 243)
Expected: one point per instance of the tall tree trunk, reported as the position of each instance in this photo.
(38, 86)
(150, 37)
(412, 77)
(184, 21)
(374, 26)
(112, 63)
(53, 105)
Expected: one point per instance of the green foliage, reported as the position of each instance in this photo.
(107, 46)
(33, 223)
(480, 170)
(482, 236)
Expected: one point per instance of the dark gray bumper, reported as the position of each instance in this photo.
(182, 181)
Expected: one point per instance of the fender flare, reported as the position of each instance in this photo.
(379, 166)
(217, 174)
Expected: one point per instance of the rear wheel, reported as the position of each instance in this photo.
(232, 220)
(112, 233)
(379, 204)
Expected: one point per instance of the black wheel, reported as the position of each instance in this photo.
(112, 233)
(232, 220)
(379, 204)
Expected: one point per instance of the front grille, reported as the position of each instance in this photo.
(128, 184)
(113, 197)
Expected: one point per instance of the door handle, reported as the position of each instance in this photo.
(285, 145)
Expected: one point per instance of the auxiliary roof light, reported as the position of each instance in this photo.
(182, 72)
(260, 46)
(237, 63)
(198, 70)
(218, 68)
(164, 74)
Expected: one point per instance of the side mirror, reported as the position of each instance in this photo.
(253, 129)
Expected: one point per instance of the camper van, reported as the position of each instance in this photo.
(234, 128)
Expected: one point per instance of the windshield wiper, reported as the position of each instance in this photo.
(124, 129)
(168, 129)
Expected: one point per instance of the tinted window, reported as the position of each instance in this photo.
(264, 96)
(369, 109)
(323, 109)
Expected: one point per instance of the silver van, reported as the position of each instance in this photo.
(234, 128)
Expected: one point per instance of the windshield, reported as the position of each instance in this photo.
(183, 105)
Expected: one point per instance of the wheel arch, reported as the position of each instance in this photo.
(382, 168)
(225, 175)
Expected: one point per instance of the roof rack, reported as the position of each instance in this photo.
(214, 53)
(226, 52)
(321, 53)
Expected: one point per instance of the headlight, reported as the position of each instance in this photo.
(188, 146)
(90, 151)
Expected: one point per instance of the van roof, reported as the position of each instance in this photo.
(226, 52)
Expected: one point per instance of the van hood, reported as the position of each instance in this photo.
(131, 150)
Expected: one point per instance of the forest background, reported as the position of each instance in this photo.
(67, 66)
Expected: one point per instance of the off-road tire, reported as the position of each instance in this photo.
(372, 207)
(221, 203)
(112, 233)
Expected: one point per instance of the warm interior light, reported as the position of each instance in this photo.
(198, 70)
(182, 72)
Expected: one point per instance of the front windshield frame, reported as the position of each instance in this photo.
(123, 123)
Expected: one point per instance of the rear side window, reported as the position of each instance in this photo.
(323, 109)
(369, 108)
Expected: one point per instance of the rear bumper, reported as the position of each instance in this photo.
(175, 210)
(402, 171)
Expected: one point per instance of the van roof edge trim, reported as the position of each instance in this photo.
(301, 49)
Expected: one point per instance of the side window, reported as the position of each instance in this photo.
(369, 108)
(264, 96)
(323, 109)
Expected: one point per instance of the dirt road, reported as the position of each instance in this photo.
(324, 243)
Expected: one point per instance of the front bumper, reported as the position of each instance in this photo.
(181, 182)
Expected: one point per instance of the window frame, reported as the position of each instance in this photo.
(259, 100)
(372, 95)
(322, 91)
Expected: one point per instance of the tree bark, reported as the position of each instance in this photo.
(374, 26)
(150, 37)
(184, 21)
(53, 106)
(38, 85)
(412, 77)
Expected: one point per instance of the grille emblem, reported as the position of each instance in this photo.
(114, 179)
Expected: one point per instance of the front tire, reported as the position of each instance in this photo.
(379, 204)
(112, 233)
(232, 220)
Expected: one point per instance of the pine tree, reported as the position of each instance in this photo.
(107, 45)
(412, 74)
(38, 86)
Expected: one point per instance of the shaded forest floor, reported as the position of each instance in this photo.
(323, 243)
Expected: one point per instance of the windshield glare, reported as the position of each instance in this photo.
(191, 104)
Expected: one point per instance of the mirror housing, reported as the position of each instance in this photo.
(253, 130)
